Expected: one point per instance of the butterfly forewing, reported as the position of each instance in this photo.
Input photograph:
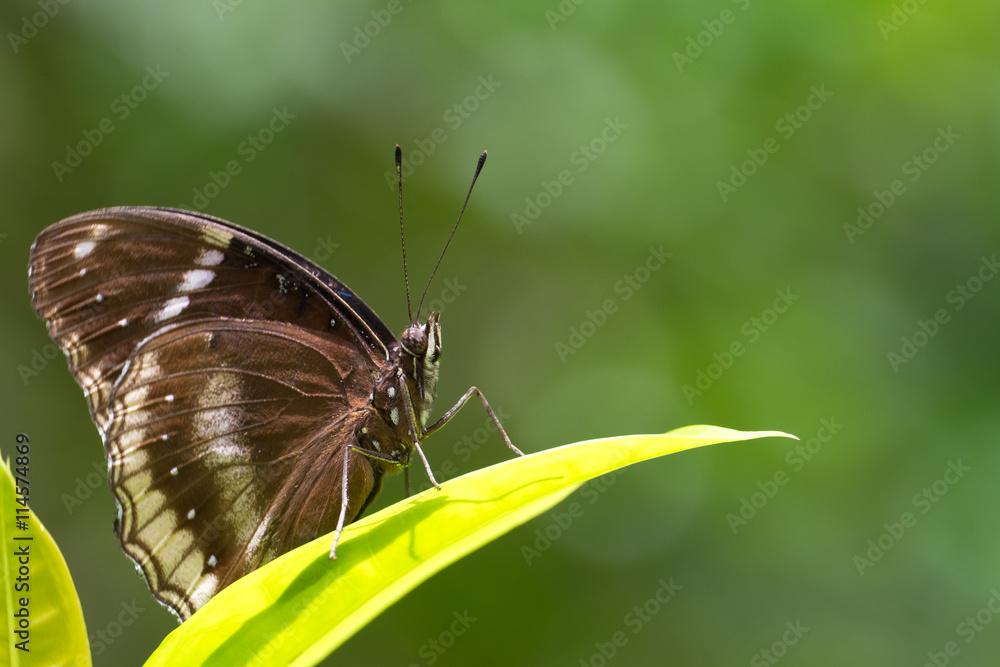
(103, 281)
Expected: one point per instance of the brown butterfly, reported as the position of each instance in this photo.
(248, 400)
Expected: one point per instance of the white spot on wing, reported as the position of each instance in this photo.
(190, 514)
(172, 308)
(213, 561)
(173, 471)
(196, 279)
(220, 417)
(83, 249)
(209, 257)
(391, 391)
(394, 415)
(215, 417)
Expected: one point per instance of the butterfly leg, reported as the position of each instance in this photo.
(458, 406)
(411, 417)
(375, 456)
(343, 490)
(343, 506)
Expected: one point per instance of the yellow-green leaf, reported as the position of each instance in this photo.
(299, 608)
(40, 607)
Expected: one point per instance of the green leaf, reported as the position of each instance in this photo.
(56, 633)
(299, 608)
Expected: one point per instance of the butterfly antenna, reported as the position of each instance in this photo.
(402, 236)
(479, 168)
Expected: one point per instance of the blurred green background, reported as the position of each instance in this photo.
(741, 138)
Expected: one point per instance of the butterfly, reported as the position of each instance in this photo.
(248, 400)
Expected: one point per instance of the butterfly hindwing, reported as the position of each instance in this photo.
(202, 465)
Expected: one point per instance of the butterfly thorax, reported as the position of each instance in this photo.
(394, 418)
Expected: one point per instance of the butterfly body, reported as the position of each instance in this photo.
(242, 392)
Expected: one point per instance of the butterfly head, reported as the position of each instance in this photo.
(418, 339)
(421, 347)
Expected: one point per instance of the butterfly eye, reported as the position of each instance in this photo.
(414, 341)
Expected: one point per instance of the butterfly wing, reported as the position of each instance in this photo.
(226, 451)
(105, 280)
(224, 372)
